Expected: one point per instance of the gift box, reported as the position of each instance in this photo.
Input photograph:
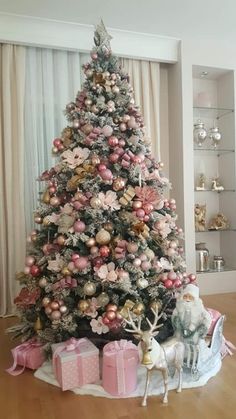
(119, 372)
(75, 363)
(29, 354)
(215, 315)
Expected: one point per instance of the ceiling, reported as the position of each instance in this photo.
(210, 19)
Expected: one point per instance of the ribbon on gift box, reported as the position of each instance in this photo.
(117, 348)
(70, 345)
(21, 350)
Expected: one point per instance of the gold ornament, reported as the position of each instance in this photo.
(46, 221)
(219, 222)
(103, 237)
(46, 197)
(95, 160)
(98, 78)
(65, 271)
(95, 202)
(90, 242)
(87, 128)
(38, 325)
(108, 226)
(83, 305)
(124, 311)
(103, 299)
(141, 230)
(146, 360)
(156, 305)
(89, 288)
(127, 197)
(66, 136)
(118, 184)
(73, 183)
(138, 309)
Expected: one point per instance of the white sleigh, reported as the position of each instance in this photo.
(203, 357)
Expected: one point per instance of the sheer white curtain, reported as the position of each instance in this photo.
(52, 80)
(145, 79)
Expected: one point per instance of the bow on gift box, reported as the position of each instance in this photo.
(117, 349)
(21, 351)
(70, 345)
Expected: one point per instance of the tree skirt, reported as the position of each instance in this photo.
(45, 373)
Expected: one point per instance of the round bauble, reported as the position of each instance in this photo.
(113, 141)
(54, 305)
(48, 310)
(81, 263)
(107, 130)
(35, 270)
(90, 242)
(111, 307)
(148, 208)
(137, 262)
(118, 184)
(192, 277)
(43, 282)
(146, 265)
(142, 283)
(61, 240)
(172, 275)
(168, 283)
(137, 205)
(29, 260)
(103, 237)
(103, 299)
(138, 309)
(89, 288)
(56, 315)
(171, 252)
(149, 253)
(104, 251)
(105, 320)
(132, 247)
(110, 315)
(95, 202)
(46, 301)
(140, 213)
(123, 127)
(27, 270)
(55, 201)
(38, 219)
(94, 250)
(106, 174)
(74, 257)
(83, 305)
(66, 270)
(63, 309)
(177, 283)
(115, 89)
(79, 226)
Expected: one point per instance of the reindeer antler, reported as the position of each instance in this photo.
(154, 326)
(131, 322)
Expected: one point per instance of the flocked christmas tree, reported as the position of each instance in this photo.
(107, 241)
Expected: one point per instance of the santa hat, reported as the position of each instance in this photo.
(191, 289)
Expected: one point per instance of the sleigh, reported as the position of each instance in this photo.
(201, 358)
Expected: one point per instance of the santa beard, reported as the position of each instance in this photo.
(193, 310)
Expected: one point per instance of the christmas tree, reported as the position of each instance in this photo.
(107, 243)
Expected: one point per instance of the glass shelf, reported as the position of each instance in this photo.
(216, 231)
(217, 113)
(217, 151)
(210, 190)
(211, 271)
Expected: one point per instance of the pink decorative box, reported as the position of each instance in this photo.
(75, 363)
(215, 315)
(29, 354)
(120, 362)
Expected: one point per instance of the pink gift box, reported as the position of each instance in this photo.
(29, 354)
(120, 362)
(215, 315)
(75, 363)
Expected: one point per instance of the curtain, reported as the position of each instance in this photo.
(145, 79)
(12, 226)
(52, 80)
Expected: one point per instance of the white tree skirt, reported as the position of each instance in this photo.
(45, 373)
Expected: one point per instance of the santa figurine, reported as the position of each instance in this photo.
(190, 319)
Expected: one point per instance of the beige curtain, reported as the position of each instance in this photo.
(145, 79)
(12, 226)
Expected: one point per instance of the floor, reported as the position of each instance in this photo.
(25, 397)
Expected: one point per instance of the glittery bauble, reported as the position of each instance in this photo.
(35, 270)
(118, 184)
(61, 240)
(29, 260)
(45, 301)
(103, 237)
(108, 226)
(110, 315)
(104, 251)
(95, 202)
(111, 307)
(54, 305)
(138, 309)
(83, 305)
(79, 226)
(56, 315)
(63, 309)
(113, 141)
(142, 283)
(43, 282)
(55, 201)
(114, 157)
(132, 247)
(90, 242)
(81, 263)
(107, 130)
(106, 174)
(89, 288)
(103, 299)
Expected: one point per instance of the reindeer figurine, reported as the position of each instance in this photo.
(157, 356)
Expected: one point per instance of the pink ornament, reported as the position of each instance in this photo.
(172, 201)
(132, 247)
(105, 320)
(146, 218)
(107, 130)
(114, 157)
(48, 310)
(148, 208)
(81, 263)
(27, 270)
(104, 251)
(102, 167)
(137, 262)
(173, 244)
(98, 261)
(110, 315)
(136, 205)
(163, 277)
(54, 305)
(122, 142)
(35, 270)
(146, 265)
(168, 283)
(192, 277)
(94, 55)
(173, 207)
(113, 141)
(126, 118)
(29, 261)
(77, 205)
(57, 142)
(177, 283)
(76, 123)
(112, 307)
(71, 266)
(106, 174)
(56, 315)
(79, 226)
(55, 201)
(123, 127)
(123, 275)
(132, 123)
(172, 275)
(140, 213)
(143, 257)
(74, 257)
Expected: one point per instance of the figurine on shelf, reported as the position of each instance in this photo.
(200, 217)
(216, 185)
(201, 182)
(219, 222)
